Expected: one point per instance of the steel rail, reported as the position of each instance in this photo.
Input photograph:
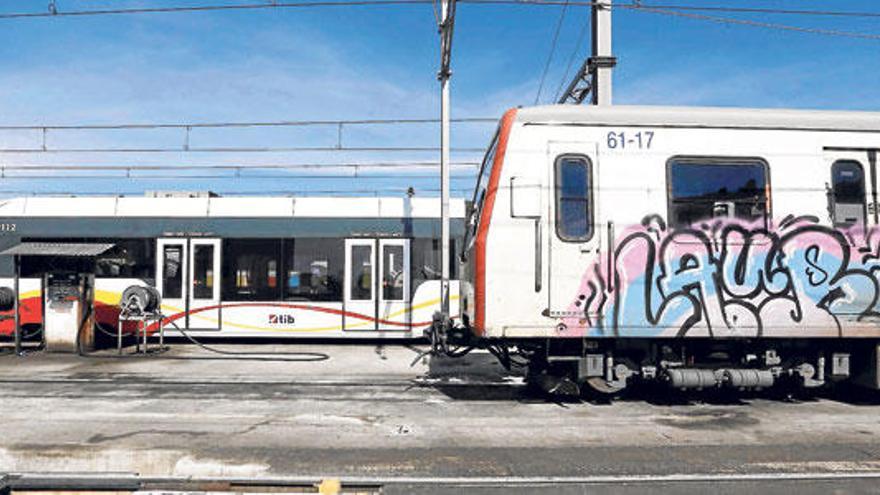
(25, 480)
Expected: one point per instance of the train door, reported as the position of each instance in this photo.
(852, 189)
(394, 291)
(188, 278)
(171, 269)
(377, 284)
(852, 207)
(573, 234)
(360, 286)
(204, 284)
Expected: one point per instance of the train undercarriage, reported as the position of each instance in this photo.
(570, 366)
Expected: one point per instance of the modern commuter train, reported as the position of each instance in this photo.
(704, 247)
(244, 266)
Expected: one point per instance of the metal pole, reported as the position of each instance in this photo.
(601, 51)
(17, 318)
(447, 16)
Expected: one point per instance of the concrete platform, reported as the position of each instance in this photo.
(366, 415)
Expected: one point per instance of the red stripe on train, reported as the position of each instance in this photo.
(485, 219)
(31, 312)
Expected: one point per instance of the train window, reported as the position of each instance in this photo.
(129, 258)
(847, 193)
(250, 269)
(706, 188)
(172, 271)
(473, 220)
(203, 271)
(361, 273)
(315, 269)
(573, 198)
(425, 256)
(393, 276)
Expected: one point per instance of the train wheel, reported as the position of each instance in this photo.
(553, 385)
(602, 387)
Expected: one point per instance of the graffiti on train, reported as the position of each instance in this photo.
(731, 279)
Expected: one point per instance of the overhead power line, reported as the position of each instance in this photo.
(204, 125)
(279, 192)
(294, 166)
(552, 51)
(186, 145)
(376, 170)
(243, 149)
(56, 12)
(698, 8)
(571, 59)
(760, 24)
(208, 8)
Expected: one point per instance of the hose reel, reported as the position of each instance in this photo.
(7, 299)
(140, 299)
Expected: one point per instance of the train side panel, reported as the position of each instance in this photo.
(771, 261)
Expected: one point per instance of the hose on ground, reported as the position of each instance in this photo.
(239, 355)
(256, 356)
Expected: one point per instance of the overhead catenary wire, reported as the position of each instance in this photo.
(669, 9)
(243, 149)
(553, 43)
(47, 131)
(261, 192)
(208, 125)
(20, 170)
(761, 24)
(280, 5)
(209, 8)
(571, 59)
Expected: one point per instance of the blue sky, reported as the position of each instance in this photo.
(380, 62)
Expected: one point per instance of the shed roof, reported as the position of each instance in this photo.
(58, 249)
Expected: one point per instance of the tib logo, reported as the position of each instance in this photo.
(284, 319)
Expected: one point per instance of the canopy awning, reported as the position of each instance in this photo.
(74, 249)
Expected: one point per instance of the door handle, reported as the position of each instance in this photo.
(538, 249)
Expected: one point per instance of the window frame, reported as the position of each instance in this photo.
(833, 194)
(720, 160)
(557, 198)
(229, 259)
(291, 248)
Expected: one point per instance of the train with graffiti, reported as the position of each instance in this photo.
(699, 247)
(239, 267)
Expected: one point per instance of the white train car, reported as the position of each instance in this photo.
(701, 246)
(245, 266)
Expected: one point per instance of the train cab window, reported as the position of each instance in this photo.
(847, 193)
(250, 269)
(314, 270)
(573, 198)
(705, 188)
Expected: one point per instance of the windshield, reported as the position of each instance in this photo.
(480, 192)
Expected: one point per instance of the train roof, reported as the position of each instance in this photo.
(709, 117)
(228, 207)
